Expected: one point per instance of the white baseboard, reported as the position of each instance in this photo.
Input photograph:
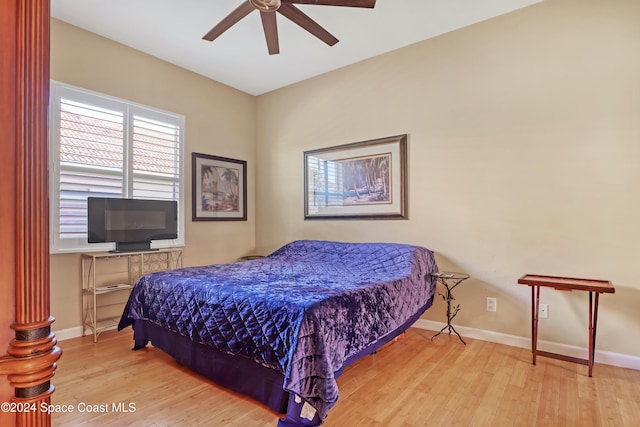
(65, 334)
(604, 357)
(75, 332)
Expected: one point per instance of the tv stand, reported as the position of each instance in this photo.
(105, 274)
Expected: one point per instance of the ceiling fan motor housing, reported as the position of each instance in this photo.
(266, 5)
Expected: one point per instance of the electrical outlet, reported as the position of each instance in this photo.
(544, 311)
(492, 304)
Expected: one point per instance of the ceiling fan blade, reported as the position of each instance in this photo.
(297, 16)
(270, 31)
(229, 20)
(348, 3)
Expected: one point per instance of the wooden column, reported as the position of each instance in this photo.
(8, 54)
(31, 357)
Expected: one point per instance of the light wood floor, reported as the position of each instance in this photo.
(413, 382)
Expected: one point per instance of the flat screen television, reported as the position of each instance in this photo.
(131, 223)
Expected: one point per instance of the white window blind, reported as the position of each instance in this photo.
(106, 147)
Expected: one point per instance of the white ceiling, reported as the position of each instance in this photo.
(172, 30)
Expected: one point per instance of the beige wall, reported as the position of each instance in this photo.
(524, 142)
(219, 121)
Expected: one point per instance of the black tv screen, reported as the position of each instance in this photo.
(131, 223)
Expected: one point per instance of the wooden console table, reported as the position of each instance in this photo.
(566, 284)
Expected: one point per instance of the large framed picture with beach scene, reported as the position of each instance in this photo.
(219, 188)
(361, 180)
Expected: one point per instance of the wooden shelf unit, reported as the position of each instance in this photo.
(101, 276)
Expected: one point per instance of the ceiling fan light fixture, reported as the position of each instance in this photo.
(266, 5)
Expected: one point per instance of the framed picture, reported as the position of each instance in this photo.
(360, 180)
(219, 188)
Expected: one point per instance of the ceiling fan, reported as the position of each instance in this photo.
(268, 9)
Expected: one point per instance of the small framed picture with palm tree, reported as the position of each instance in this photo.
(219, 188)
(361, 180)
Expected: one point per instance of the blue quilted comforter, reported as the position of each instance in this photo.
(303, 310)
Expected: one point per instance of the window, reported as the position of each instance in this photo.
(107, 147)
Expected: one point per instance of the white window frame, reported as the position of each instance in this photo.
(60, 90)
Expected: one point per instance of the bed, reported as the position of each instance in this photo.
(281, 329)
